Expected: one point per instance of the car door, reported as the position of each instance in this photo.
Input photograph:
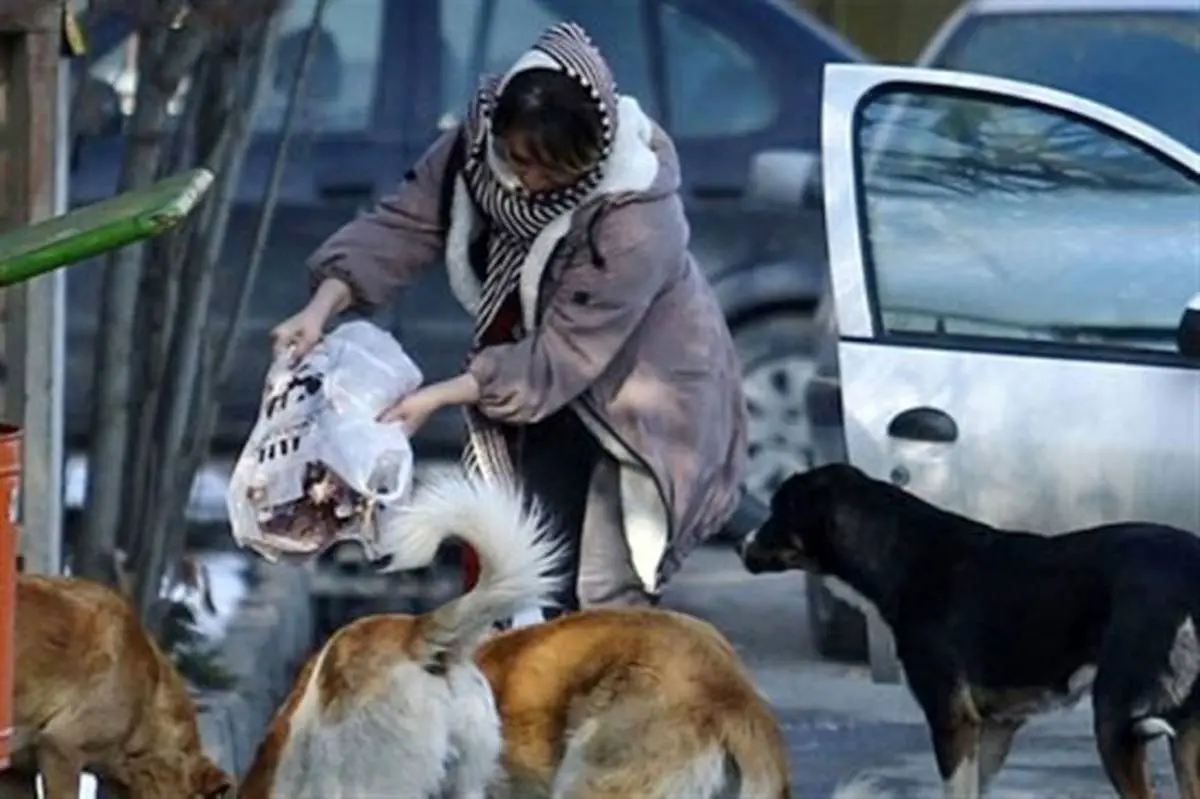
(1009, 266)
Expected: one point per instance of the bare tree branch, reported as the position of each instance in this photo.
(250, 274)
(22, 14)
(225, 348)
(227, 14)
(113, 393)
(171, 36)
(239, 76)
(158, 301)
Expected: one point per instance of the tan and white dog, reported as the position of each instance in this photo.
(93, 690)
(394, 705)
(604, 703)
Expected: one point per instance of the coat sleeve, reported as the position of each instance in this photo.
(589, 317)
(387, 247)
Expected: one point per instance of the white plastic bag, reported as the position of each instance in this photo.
(318, 468)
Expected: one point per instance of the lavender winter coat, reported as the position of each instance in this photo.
(626, 331)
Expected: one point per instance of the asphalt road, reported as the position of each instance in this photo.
(841, 725)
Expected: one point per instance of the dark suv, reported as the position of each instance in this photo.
(736, 82)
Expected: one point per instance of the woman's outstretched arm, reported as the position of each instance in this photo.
(386, 248)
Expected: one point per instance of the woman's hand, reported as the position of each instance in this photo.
(299, 333)
(413, 410)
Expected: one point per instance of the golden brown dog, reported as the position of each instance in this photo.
(606, 703)
(94, 691)
(621, 703)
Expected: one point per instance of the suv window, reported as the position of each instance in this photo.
(1075, 53)
(487, 36)
(342, 72)
(992, 218)
(341, 78)
(117, 69)
(715, 85)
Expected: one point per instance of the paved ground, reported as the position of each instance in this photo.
(839, 724)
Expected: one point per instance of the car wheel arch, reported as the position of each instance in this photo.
(751, 291)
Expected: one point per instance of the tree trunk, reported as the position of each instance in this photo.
(227, 343)
(155, 352)
(114, 385)
(233, 88)
(158, 300)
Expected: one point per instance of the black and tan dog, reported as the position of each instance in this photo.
(994, 626)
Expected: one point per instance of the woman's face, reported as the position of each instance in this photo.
(536, 176)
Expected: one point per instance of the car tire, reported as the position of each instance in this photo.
(777, 354)
(839, 631)
(776, 349)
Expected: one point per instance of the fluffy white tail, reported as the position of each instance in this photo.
(517, 555)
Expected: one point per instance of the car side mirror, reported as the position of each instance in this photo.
(1187, 335)
(783, 178)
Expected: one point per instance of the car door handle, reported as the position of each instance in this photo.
(924, 424)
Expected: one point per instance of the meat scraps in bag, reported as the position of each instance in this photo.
(318, 468)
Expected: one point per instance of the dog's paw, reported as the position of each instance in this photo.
(861, 788)
(1150, 727)
(383, 563)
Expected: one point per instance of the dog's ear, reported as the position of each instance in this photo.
(809, 501)
(835, 476)
(213, 783)
(829, 484)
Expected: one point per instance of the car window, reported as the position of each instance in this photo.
(1075, 53)
(342, 72)
(715, 85)
(487, 36)
(991, 218)
(340, 82)
(118, 69)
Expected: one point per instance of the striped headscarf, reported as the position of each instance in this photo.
(515, 215)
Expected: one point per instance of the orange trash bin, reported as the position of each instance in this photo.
(10, 487)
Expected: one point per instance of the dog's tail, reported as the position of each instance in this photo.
(516, 555)
(755, 757)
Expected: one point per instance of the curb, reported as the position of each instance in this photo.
(268, 638)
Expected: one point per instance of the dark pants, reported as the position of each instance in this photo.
(555, 459)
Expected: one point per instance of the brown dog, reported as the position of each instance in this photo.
(94, 691)
(636, 702)
(602, 704)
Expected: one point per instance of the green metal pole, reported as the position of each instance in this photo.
(96, 229)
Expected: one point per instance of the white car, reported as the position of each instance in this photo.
(1010, 264)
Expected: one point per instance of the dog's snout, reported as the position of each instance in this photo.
(751, 555)
(745, 543)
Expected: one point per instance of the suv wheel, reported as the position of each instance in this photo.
(777, 363)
